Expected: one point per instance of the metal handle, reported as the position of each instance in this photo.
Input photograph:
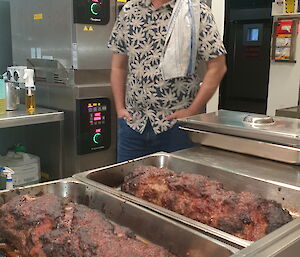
(254, 120)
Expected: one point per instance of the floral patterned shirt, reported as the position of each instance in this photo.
(140, 33)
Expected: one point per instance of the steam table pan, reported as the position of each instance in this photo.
(110, 179)
(152, 227)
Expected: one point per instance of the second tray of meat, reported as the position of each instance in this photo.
(227, 205)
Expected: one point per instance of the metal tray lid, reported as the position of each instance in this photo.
(279, 130)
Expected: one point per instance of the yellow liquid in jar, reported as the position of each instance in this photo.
(2, 106)
(30, 103)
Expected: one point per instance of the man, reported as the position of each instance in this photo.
(148, 105)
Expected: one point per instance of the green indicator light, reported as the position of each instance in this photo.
(95, 138)
(94, 9)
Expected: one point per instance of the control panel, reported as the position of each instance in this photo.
(91, 11)
(93, 125)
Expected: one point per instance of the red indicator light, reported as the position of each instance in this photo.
(97, 114)
(97, 118)
(98, 131)
(95, 1)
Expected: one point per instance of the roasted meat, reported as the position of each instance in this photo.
(244, 214)
(55, 227)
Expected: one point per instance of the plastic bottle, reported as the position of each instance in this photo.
(9, 177)
(2, 96)
(30, 88)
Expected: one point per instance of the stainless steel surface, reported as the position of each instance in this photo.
(64, 41)
(181, 240)
(52, 34)
(262, 149)
(16, 129)
(285, 242)
(12, 96)
(22, 118)
(253, 120)
(64, 98)
(71, 62)
(245, 165)
(110, 179)
(92, 50)
(283, 131)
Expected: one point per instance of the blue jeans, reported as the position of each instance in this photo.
(132, 144)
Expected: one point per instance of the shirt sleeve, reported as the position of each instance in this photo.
(210, 42)
(117, 41)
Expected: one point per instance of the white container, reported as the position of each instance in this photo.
(26, 167)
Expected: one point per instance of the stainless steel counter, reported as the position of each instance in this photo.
(273, 138)
(22, 118)
(258, 168)
(276, 130)
(14, 129)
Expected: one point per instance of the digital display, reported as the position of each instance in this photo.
(96, 111)
(253, 34)
(94, 125)
(91, 11)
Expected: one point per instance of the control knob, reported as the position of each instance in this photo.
(96, 138)
(95, 8)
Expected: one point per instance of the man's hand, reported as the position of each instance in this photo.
(123, 113)
(181, 114)
(216, 69)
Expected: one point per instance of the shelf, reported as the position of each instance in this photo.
(287, 15)
(21, 118)
(285, 61)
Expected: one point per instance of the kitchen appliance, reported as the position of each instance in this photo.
(64, 41)
(13, 81)
(18, 77)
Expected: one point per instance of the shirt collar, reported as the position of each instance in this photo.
(149, 2)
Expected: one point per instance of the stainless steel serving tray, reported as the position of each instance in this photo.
(276, 130)
(179, 239)
(110, 178)
(283, 243)
(282, 153)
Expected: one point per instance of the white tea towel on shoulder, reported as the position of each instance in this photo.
(180, 50)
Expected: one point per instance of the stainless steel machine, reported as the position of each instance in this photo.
(65, 42)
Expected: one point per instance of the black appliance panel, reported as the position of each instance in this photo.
(91, 11)
(93, 125)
